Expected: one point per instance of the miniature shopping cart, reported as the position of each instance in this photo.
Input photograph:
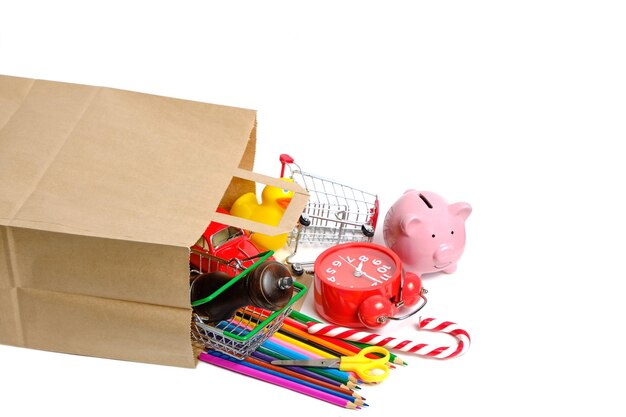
(242, 334)
(334, 214)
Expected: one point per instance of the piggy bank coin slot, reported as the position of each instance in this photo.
(425, 200)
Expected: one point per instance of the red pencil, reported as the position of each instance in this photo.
(289, 372)
(237, 366)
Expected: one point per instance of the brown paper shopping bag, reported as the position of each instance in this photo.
(102, 192)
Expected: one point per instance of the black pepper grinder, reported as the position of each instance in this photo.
(269, 286)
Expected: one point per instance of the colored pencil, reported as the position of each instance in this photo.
(310, 339)
(344, 348)
(347, 397)
(290, 323)
(298, 331)
(284, 370)
(286, 341)
(301, 330)
(305, 348)
(302, 319)
(302, 327)
(268, 356)
(291, 354)
(317, 353)
(287, 345)
(297, 379)
(237, 366)
(321, 372)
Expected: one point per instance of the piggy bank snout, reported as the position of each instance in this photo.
(444, 255)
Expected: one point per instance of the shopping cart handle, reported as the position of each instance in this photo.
(284, 159)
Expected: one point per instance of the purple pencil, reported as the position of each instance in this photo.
(303, 389)
(300, 370)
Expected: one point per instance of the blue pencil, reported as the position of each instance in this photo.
(267, 358)
(278, 374)
(296, 355)
(291, 354)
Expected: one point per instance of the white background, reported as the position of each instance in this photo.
(516, 107)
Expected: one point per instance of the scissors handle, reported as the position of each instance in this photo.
(368, 369)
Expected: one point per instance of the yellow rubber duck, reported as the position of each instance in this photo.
(274, 203)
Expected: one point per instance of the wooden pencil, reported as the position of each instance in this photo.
(313, 342)
(320, 372)
(302, 319)
(297, 380)
(260, 354)
(284, 370)
(290, 353)
(240, 367)
(344, 348)
(335, 374)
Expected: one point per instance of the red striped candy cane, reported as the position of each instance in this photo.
(431, 324)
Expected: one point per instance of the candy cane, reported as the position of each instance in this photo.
(431, 324)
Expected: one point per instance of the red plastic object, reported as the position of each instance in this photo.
(224, 242)
(284, 159)
(357, 284)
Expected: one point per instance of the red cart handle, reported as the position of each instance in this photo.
(284, 159)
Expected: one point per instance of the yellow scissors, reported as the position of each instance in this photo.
(368, 369)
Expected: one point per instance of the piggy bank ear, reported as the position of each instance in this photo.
(409, 223)
(462, 210)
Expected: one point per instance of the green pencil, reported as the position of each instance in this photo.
(320, 371)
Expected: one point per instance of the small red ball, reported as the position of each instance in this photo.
(375, 311)
(412, 289)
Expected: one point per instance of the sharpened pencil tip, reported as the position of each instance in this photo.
(399, 361)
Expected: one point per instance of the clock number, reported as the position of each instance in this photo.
(331, 279)
(363, 258)
(383, 269)
(336, 263)
(349, 259)
(331, 271)
(385, 277)
(377, 262)
(374, 284)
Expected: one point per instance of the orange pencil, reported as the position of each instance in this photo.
(342, 343)
(333, 341)
(286, 371)
(315, 338)
(346, 348)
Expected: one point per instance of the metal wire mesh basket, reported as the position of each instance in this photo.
(249, 328)
(335, 213)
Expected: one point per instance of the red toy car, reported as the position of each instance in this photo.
(223, 248)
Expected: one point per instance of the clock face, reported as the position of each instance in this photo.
(357, 266)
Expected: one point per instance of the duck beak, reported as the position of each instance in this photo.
(283, 202)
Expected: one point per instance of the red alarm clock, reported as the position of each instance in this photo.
(363, 284)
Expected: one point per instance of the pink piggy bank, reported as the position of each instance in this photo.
(426, 232)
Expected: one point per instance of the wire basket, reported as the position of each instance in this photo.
(242, 334)
(335, 213)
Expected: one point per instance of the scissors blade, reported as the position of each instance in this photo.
(317, 363)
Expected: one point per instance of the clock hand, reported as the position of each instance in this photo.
(359, 270)
(372, 278)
